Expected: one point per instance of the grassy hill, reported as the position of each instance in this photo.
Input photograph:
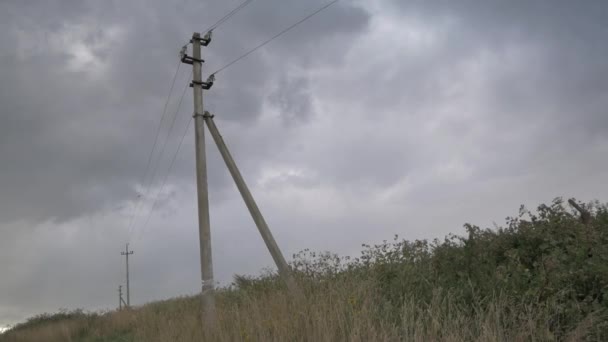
(542, 277)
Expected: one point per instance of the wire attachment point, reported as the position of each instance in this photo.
(206, 85)
(205, 40)
(211, 79)
(190, 60)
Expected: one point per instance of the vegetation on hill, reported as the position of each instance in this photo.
(542, 277)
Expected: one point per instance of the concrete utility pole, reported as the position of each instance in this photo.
(200, 118)
(121, 301)
(271, 244)
(207, 288)
(126, 254)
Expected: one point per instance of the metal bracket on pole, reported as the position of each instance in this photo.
(189, 60)
(205, 40)
(206, 85)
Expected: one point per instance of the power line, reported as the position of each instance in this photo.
(228, 15)
(162, 151)
(171, 164)
(132, 220)
(212, 27)
(276, 36)
(154, 144)
(164, 145)
(167, 174)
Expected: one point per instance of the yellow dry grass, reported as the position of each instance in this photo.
(334, 311)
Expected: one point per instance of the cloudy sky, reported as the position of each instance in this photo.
(374, 118)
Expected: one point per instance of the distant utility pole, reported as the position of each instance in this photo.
(121, 301)
(126, 253)
(201, 118)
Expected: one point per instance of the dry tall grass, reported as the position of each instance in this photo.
(338, 311)
(539, 279)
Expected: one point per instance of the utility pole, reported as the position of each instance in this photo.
(121, 301)
(201, 118)
(126, 254)
(271, 244)
(204, 229)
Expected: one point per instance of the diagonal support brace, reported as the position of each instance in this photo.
(271, 244)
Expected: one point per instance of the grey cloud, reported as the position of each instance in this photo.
(292, 97)
(394, 117)
(541, 88)
(82, 142)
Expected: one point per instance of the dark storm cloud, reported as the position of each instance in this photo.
(372, 118)
(82, 87)
(293, 99)
(538, 71)
(565, 67)
(72, 143)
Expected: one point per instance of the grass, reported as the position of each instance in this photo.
(339, 312)
(541, 278)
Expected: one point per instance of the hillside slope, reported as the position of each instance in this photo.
(542, 277)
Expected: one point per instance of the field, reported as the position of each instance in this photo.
(542, 277)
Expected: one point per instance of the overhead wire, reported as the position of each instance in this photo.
(165, 145)
(133, 220)
(259, 46)
(228, 15)
(148, 164)
(162, 151)
(276, 36)
(162, 187)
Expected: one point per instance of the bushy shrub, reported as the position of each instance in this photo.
(543, 259)
(542, 277)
